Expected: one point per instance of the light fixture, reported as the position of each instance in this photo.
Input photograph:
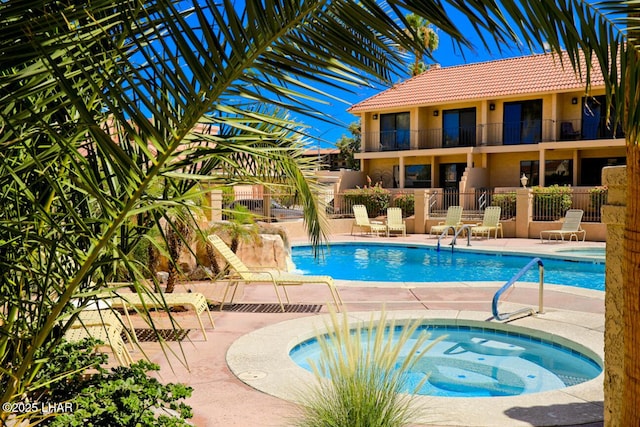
(374, 116)
(574, 100)
(492, 106)
(435, 113)
(524, 180)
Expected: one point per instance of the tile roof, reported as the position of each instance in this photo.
(485, 80)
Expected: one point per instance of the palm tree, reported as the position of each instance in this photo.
(99, 102)
(427, 38)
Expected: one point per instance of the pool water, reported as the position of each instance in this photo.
(480, 362)
(423, 264)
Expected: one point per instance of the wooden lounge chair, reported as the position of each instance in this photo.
(362, 221)
(453, 219)
(278, 279)
(490, 222)
(570, 227)
(395, 221)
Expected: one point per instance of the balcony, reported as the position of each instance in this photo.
(492, 134)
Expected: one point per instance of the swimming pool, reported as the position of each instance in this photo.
(391, 263)
(478, 361)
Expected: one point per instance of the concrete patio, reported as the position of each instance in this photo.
(220, 398)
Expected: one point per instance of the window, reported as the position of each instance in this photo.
(558, 172)
(417, 176)
(594, 119)
(591, 169)
(522, 122)
(395, 131)
(459, 128)
(531, 168)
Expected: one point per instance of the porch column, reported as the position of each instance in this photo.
(401, 172)
(541, 170)
(554, 117)
(576, 159)
(434, 183)
(524, 211)
(421, 210)
(213, 205)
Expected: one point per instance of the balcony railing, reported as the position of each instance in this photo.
(514, 133)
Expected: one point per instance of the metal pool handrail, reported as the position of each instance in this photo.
(518, 275)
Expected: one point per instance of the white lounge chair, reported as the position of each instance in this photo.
(570, 227)
(490, 222)
(453, 219)
(362, 221)
(395, 221)
(277, 278)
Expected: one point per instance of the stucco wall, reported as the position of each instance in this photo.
(614, 216)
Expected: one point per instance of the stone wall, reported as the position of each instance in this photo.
(613, 215)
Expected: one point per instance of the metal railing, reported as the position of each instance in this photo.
(496, 298)
(553, 206)
(263, 207)
(489, 134)
(473, 203)
(546, 206)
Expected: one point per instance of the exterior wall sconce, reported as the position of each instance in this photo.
(435, 113)
(524, 180)
(374, 116)
(492, 106)
(574, 100)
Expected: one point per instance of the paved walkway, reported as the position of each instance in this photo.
(221, 399)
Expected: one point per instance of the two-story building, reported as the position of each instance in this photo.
(484, 125)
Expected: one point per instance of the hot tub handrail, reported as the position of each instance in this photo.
(511, 282)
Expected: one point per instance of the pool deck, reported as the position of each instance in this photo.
(220, 398)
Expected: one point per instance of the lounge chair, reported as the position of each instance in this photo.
(570, 227)
(278, 279)
(395, 221)
(490, 222)
(453, 219)
(188, 300)
(362, 221)
(110, 335)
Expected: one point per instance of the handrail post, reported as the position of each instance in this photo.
(540, 289)
(496, 297)
(460, 230)
(445, 233)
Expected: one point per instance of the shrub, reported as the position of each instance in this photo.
(551, 203)
(124, 396)
(366, 376)
(598, 196)
(406, 202)
(507, 203)
(375, 198)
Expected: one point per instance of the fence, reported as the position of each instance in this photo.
(280, 207)
(549, 204)
(376, 200)
(554, 203)
(473, 203)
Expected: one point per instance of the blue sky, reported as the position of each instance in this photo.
(446, 55)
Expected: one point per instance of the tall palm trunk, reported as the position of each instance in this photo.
(631, 292)
(175, 241)
(631, 259)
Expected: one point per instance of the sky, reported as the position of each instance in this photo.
(446, 55)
